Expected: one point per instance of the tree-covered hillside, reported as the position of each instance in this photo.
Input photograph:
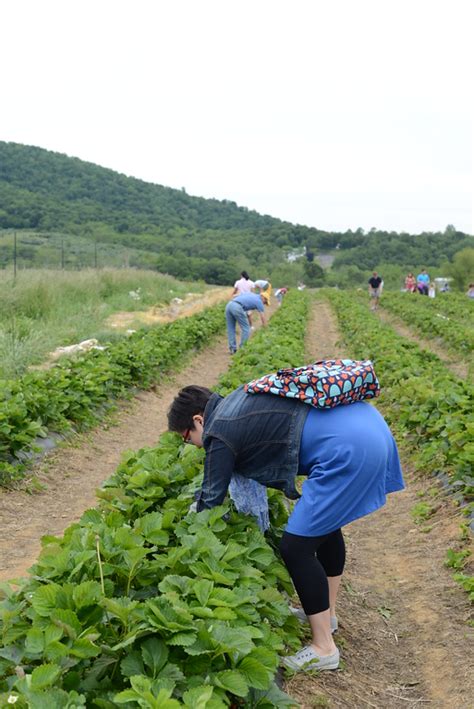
(171, 231)
(83, 190)
(375, 247)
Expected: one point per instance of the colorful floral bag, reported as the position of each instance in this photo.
(324, 384)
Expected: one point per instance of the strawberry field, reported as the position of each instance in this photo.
(428, 405)
(75, 393)
(449, 317)
(143, 604)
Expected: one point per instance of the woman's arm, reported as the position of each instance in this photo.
(218, 469)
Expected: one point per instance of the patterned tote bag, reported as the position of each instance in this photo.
(323, 384)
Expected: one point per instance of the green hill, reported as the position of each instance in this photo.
(71, 213)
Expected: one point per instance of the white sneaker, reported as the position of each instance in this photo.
(308, 659)
(303, 618)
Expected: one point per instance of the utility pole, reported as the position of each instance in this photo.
(14, 255)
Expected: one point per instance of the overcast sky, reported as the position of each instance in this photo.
(342, 114)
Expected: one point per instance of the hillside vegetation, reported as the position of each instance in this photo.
(71, 213)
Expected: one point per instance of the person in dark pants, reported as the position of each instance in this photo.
(236, 312)
(375, 289)
(350, 461)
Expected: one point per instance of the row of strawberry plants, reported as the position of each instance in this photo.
(74, 392)
(455, 305)
(423, 313)
(425, 402)
(144, 604)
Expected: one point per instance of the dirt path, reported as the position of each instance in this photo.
(403, 632)
(452, 361)
(178, 308)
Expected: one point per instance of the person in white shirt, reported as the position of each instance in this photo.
(243, 285)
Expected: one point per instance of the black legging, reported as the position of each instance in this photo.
(310, 560)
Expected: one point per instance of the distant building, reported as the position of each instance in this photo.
(296, 254)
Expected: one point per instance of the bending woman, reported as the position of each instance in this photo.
(350, 461)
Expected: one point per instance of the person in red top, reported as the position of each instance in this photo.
(375, 289)
(410, 283)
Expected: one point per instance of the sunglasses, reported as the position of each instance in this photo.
(186, 437)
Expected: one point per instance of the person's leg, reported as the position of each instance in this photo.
(332, 556)
(230, 321)
(333, 582)
(242, 319)
(311, 584)
(322, 640)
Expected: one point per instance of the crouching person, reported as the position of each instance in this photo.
(350, 462)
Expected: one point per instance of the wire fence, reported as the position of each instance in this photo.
(22, 250)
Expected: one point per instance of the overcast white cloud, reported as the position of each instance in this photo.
(337, 115)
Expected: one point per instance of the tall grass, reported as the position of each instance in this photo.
(43, 309)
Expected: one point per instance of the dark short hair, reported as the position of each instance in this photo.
(188, 402)
(245, 275)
